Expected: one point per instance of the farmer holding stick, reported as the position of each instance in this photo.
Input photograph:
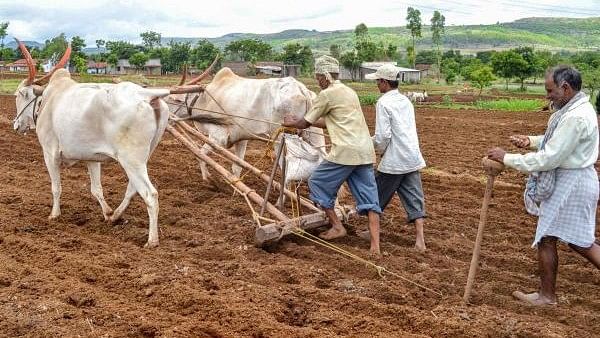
(562, 188)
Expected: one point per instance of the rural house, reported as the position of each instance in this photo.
(152, 67)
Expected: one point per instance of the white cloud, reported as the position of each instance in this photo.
(126, 19)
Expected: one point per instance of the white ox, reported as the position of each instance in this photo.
(93, 123)
(260, 105)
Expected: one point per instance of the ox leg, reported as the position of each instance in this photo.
(138, 176)
(239, 149)
(96, 188)
(53, 166)
(124, 204)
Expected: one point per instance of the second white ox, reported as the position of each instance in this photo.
(254, 108)
(92, 123)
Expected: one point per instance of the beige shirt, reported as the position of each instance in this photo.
(350, 139)
(573, 145)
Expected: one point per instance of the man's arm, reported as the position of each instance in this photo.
(312, 117)
(383, 129)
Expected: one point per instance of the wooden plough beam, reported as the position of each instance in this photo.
(264, 234)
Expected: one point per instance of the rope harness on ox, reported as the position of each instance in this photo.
(35, 115)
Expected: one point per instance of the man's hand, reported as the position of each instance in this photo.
(520, 141)
(291, 120)
(496, 154)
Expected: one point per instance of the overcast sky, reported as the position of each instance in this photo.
(126, 19)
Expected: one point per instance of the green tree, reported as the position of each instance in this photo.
(77, 45)
(530, 70)
(3, 28)
(426, 57)
(351, 62)
(249, 50)
(591, 77)
(485, 56)
(297, 54)
(176, 56)
(79, 63)
(361, 31)
(508, 64)
(437, 30)
(55, 47)
(391, 51)
(482, 77)
(112, 59)
(335, 51)
(150, 39)
(450, 68)
(413, 19)
(203, 54)
(138, 60)
(122, 49)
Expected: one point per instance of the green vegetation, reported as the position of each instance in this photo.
(368, 99)
(502, 104)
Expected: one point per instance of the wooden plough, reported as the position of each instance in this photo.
(283, 224)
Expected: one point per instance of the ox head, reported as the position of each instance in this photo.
(181, 105)
(29, 91)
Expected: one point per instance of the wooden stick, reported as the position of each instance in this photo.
(252, 195)
(231, 157)
(282, 179)
(270, 183)
(477, 248)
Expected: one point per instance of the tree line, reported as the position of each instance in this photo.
(519, 64)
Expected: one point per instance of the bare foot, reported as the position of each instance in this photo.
(375, 252)
(533, 298)
(420, 246)
(333, 233)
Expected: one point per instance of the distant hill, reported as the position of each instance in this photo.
(13, 44)
(543, 33)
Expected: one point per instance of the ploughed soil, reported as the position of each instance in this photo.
(79, 276)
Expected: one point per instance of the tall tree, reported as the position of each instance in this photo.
(77, 45)
(3, 28)
(351, 62)
(482, 77)
(361, 31)
(121, 49)
(150, 39)
(437, 30)
(100, 43)
(55, 47)
(413, 19)
(530, 70)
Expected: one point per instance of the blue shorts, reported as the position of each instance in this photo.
(327, 179)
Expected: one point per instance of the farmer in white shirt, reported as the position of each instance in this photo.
(562, 189)
(396, 139)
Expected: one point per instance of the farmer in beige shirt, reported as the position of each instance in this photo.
(351, 156)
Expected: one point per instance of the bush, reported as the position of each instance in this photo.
(447, 100)
(368, 99)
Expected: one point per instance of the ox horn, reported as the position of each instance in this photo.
(185, 70)
(205, 73)
(60, 64)
(29, 60)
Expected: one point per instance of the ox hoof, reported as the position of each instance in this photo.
(150, 245)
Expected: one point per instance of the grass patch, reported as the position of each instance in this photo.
(368, 99)
(510, 104)
(8, 86)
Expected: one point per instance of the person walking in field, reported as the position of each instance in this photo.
(351, 156)
(562, 188)
(397, 141)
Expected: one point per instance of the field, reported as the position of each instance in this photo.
(78, 276)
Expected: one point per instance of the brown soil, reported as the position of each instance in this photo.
(78, 276)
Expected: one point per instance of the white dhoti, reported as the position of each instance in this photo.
(570, 212)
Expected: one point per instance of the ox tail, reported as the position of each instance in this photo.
(206, 118)
(161, 115)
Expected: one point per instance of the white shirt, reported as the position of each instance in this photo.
(396, 135)
(573, 145)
